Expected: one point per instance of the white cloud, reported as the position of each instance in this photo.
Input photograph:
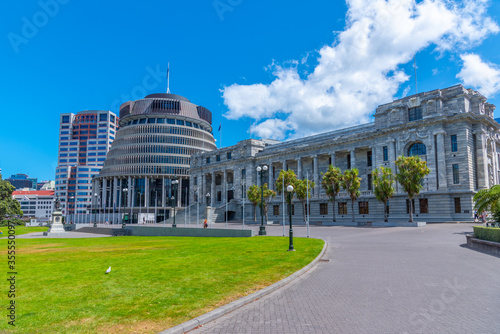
(478, 74)
(361, 69)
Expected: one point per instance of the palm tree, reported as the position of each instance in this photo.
(383, 183)
(302, 193)
(253, 195)
(332, 182)
(351, 183)
(411, 174)
(488, 200)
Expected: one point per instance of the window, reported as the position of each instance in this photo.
(414, 114)
(424, 205)
(208, 160)
(369, 181)
(323, 208)
(363, 208)
(217, 157)
(142, 121)
(228, 155)
(408, 206)
(65, 119)
(111, 118)
(160, 120)
(103, 117)
(195, 181)
(189, 123)
(386, 153)
(348, 161)
(417, 149)
(276, 210)
(170, 121)
(454, 143)
(458, 208)
(456, 175)
(180, 122)
(243, 173)
(342, 208)
(151, 120)
(369, 158)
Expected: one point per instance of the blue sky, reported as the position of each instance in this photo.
(277, 69)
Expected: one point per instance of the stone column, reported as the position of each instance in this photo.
(299, 168)
(353, 159)
(392, 159)
(316, 176)
(441, 160)
(494, 161)
(115, 191)
(482, 160)
(374, 157)
(130, 192)
(212, 189)
(224, 186)
(332, 157)
(270, 184)
(103, 192)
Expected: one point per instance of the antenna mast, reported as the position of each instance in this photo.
(168, 79)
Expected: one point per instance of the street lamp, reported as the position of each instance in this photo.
(95, 223)
(124, 190)
(262, 230)
(175, 184)
(289, 189)
(209, 199)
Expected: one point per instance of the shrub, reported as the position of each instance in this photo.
(487, 233)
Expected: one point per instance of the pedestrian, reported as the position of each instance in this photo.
(205, 224)
(483, 217)
(476, 216)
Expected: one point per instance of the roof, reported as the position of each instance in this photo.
(33, 192)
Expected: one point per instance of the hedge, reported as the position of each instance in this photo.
(487, 233)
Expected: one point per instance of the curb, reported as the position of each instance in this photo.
(223, 310)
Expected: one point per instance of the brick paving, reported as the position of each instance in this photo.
(381, 280)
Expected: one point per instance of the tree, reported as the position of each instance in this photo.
(488, 200)
(301, 187)
(332, 183)
(8, 205)
(269, 194)
(383, 184)
(411, 174)
(351, 183)
(286, 178)
(253, 195)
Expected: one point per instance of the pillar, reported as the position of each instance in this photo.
(441, 160)
(270, 184)
(224, 186)
(316, 176)
(353, 159)
(299, 168)
(332, 158)
(130, 192)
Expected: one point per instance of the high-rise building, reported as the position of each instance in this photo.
(21, 181)
(84, 141)
(157, 136)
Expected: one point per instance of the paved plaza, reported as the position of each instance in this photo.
(381, 280)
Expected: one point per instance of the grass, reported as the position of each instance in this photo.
(23, 230)
(155, 282)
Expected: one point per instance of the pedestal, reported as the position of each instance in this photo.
(57, 227)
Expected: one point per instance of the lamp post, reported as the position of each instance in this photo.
(262, 230)
(209, 199)
(124, 190)
(95, 223)
(289, 189)
(175, 184)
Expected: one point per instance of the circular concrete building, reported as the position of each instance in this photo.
(152, 148)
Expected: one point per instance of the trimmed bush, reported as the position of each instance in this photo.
(487, 233)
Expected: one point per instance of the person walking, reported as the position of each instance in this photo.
(205, 223)
(483, 217)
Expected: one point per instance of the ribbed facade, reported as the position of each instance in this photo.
(157, 137)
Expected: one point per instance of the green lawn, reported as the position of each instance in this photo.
(155, 282)
(23, 230)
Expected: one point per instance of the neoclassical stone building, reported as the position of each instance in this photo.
(453, 129)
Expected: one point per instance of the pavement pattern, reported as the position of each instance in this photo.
(380, 280)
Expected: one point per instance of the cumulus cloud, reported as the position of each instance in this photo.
(483, 76)
(361, 69)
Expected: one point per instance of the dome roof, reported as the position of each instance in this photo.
(167, 96)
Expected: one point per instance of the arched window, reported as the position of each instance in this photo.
(417, 149)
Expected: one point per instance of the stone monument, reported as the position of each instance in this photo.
(57, 227)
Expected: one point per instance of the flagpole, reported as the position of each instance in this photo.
(283, 195)
(307, 199)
